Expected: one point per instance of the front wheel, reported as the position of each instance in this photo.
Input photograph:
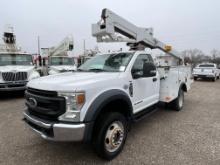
(177, 104)
(110, 135)
(214, 79)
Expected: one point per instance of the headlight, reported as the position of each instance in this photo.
(74, 103)
(34, 75)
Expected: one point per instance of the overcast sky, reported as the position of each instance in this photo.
(184, 25)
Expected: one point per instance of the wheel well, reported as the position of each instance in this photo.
(118, 105)
(183, 87)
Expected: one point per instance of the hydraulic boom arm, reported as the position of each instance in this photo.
(113, 28)
(62, 48)
(9, 39)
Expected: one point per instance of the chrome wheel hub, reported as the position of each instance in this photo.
(114, 136)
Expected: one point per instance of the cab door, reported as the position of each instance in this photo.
(145, 82)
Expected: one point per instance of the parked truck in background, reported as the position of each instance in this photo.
(59, 60)
(16, 67)
(98, 103)
(206, 71)
(60, 64)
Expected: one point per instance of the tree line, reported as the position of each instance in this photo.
(196, 56)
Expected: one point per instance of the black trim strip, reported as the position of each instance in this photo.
(138, 102)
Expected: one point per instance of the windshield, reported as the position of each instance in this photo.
(107, 62)
(15, 59)
(61, 61)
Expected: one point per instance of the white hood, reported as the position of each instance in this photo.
(16, 68)
(72, 81)
(63, 67)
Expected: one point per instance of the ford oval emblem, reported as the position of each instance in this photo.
(32, 102)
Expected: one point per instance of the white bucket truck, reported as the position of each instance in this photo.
(16, 67)
(108, 92)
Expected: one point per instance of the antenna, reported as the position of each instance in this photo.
(38, 44)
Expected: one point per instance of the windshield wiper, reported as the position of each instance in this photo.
(81, 70)
(94, 70)
(97, 70)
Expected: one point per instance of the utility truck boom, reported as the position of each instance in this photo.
(9, 39)
(62, 47)
(113, 28)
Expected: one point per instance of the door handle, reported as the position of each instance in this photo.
(154, 79)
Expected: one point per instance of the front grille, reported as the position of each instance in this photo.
(14, 76)
(42, 92)
(45, 104)
(12, 85)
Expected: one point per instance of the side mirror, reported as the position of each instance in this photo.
(137, 74)
(149, 70)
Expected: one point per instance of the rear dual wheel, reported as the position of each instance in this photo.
(177, 104)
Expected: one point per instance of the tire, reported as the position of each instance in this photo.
(177, 104)
(106, 145)
(195, 78)
(214, 79)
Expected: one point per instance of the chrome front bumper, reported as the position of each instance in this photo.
(56, 131)
(204, 75)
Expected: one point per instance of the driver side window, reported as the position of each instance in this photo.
(139, 63)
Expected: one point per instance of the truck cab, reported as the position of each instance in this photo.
(60, 64)
(16, 69)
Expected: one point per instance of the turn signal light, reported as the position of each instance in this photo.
(80, 99)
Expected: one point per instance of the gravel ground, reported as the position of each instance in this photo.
(190, 137)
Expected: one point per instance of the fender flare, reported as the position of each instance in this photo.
(103, 99)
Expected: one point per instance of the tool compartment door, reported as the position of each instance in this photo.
(171, 79)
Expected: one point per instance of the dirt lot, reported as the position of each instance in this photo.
(190, 137)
